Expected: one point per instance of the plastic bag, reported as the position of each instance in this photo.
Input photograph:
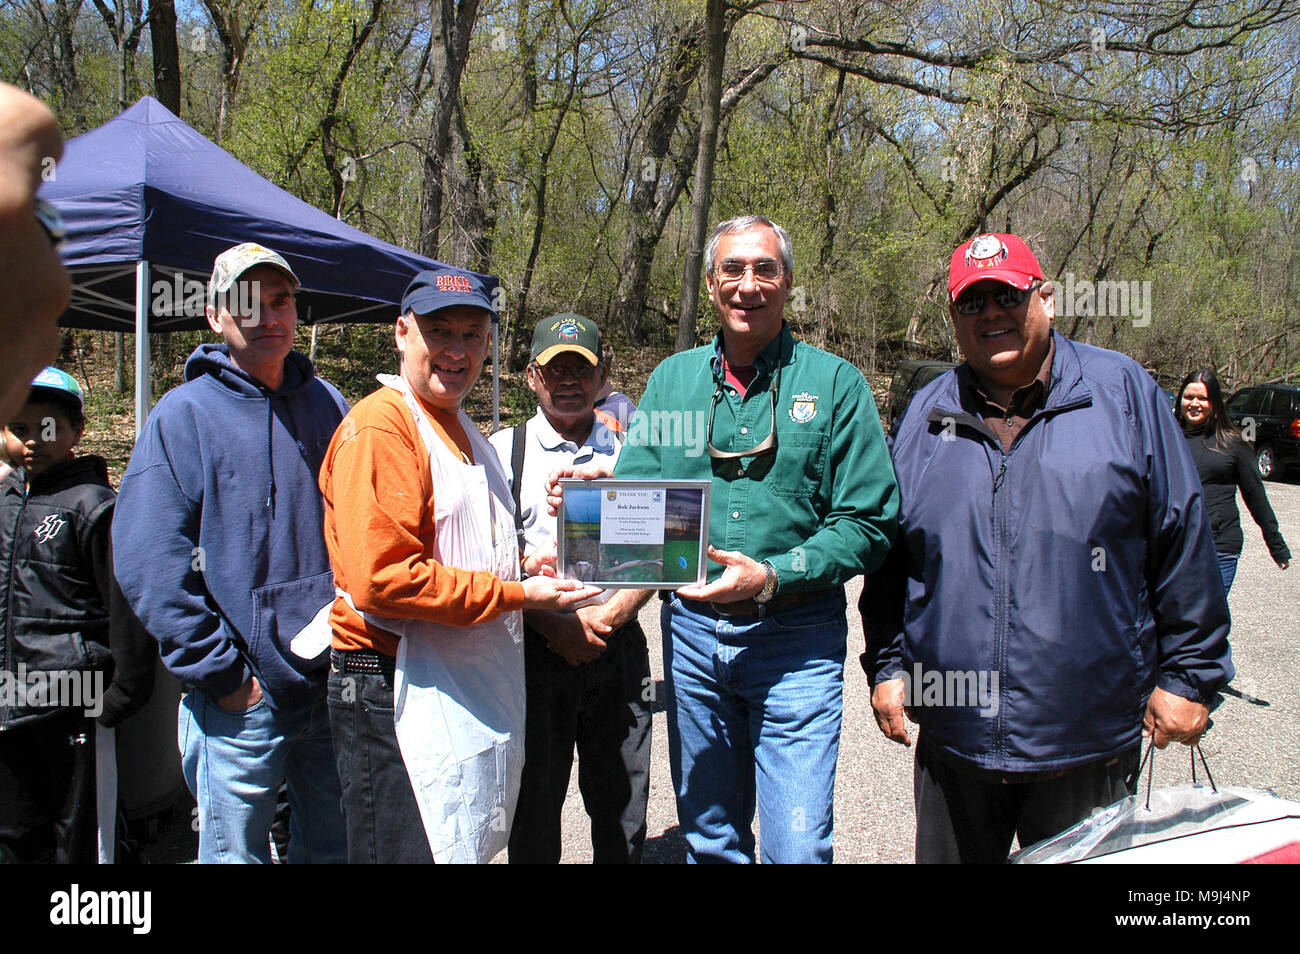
(1186, 823)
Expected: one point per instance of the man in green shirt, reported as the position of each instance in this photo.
(803, 499)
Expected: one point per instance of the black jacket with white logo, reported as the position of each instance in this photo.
(60, 609)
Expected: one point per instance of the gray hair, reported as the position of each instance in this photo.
(744, 223)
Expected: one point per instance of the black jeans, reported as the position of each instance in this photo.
(47, 791)
(968, 816)
(602, 707)
(379, 809)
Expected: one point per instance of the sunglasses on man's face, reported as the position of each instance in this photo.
(1008, 296)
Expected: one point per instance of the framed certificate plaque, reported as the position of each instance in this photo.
(641, 534)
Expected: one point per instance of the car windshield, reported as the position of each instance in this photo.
(1243, 402)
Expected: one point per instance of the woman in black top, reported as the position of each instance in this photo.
(1225, 463)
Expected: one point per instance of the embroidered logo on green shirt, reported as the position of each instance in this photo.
(804, 408)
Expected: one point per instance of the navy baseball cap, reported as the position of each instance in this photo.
(438, 288)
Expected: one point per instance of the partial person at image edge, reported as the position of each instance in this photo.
(61, 612)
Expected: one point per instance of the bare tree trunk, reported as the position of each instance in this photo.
(937, 281)
(230, 63)
(127, 42)
(827, 252)
(519, 337)
(340, 176)
(650, 209)
(234, 43)
(166, 54)
(826, 255)
(122, 62)
(664, 112)
(473, 202)
(717, 47)
(453, 21)
(66, 12)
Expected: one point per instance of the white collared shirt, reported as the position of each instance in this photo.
(548, 451)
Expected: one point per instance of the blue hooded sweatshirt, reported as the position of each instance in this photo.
(218, 533)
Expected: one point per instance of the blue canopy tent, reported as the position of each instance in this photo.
(149, 203)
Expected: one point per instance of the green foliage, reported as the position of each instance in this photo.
(884, 134)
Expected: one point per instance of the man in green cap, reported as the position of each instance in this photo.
(586, 682)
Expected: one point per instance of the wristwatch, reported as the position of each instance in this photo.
(769, 587)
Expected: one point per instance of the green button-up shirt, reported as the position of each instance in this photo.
(822, 507)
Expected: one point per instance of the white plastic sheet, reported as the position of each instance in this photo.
(1185, 824)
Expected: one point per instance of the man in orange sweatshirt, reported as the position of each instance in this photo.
(426, 677)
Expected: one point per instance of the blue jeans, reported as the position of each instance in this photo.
(754, 715)
(383, 819)
(1227, 569)
(235, 762)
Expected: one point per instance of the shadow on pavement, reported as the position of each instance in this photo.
(668, 848)
(659, 697)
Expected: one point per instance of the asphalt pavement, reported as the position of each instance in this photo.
(1254, 741)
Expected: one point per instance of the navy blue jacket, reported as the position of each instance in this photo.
(1078, 568)
(219, 526)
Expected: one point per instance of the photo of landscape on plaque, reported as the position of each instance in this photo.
(634, 533)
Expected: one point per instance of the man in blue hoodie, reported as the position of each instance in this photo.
(220, 551)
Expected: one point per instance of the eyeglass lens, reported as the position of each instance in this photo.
(579, 372)
(972, 302)
(766, 270)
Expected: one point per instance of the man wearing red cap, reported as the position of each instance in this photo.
(1052, 599)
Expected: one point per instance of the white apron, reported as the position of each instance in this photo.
(458, 696)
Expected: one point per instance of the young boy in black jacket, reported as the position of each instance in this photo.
(65, 631)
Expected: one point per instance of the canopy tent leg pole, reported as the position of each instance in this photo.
(496, 375)
(143, 374)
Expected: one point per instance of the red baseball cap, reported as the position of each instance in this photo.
(1001, 257)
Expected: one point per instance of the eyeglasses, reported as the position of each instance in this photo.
(764, 446)
(1008, 296)
(766, 271)
(555, 373)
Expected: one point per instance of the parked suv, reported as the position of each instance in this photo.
(1274, 409)
(910, 377)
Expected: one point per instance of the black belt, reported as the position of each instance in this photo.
(363, 661)
(776, 604)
